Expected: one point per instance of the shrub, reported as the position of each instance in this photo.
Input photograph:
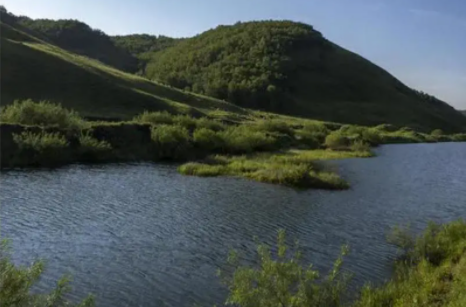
(337, 141)
(437, 132)
(155, 118)
(185, 121)
(309, 139)
(41, 149)
(208, 139)
(243, 140)
(210, 124)
(360, 145)
(172, 141)
(281, 280)
(42, 114)
(16, 284)
(272, 125)
(92, 149)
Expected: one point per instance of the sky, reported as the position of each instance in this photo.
(421, 42)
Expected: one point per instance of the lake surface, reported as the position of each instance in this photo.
(143, 235)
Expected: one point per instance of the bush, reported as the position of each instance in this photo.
(360, 145)
(243, 140)
(200, 169)
(272, 125)
(309, 139)
(337, 141)
(42, 149)
(208, 139)
(16, 284)
(185, 121)
(92, 149)
(42, 114)
(437, 132)
(155, 118)
(172, 142)
(210, 124)
(281, 280)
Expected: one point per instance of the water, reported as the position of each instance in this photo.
(143, 235)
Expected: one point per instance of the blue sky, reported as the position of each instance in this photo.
(421, 42)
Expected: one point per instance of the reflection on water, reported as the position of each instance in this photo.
(143, 235)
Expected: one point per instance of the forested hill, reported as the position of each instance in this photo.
(289, 67)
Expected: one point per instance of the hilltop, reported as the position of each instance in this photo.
(289, 67)
(275, 66)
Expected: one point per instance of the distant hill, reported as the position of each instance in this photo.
(278, 66)
(289, 67)
(463, 112)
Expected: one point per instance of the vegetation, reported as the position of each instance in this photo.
(281, 280)
(431, 273)
(42, 113)
(292, 168)
(16, 283)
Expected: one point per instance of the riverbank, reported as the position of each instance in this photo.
(262, 147)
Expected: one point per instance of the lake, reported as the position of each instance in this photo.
(143, 235)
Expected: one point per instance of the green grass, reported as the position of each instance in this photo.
(295, 168)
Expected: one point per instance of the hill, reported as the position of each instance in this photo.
(463, 112)
(33, 68)
(289, 67)
(143, 46)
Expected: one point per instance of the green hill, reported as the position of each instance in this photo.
(278, 66)
(289, 67)
(33, 68)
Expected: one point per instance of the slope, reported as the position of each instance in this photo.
(290, 68)
(33, 68)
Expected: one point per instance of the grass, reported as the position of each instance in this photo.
(295, 168)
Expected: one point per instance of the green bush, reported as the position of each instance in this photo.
(91, 149)
(437, 132)
(42, 149)
(42, 114)
(281, 280)
(172, 142)
(202, 170)
(243, 140)
(309, 139)
(337, 141)
(214, 125)
(155, 118)
(272, 125)
(208, 139)
(185, 121)
(16, 283)
(360, 145)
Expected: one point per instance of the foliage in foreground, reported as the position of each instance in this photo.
(281, 280)
(431, 271)
(16, 283)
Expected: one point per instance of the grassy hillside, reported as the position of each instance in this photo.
(33, 68)
(289, 67)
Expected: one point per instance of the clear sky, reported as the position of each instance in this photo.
(421, 42)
